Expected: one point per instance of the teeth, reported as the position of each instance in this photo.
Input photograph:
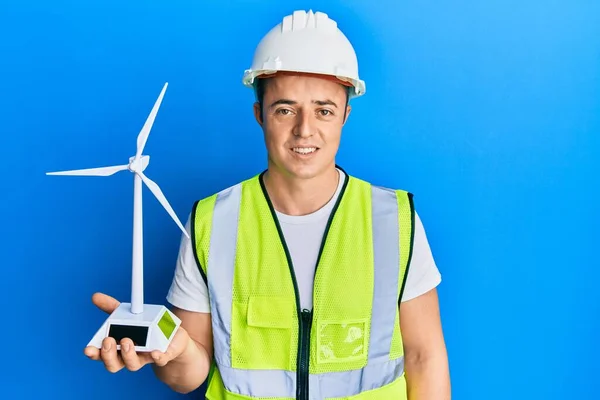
(305, 150)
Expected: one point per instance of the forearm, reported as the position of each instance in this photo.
(186, 372)
(428, 377)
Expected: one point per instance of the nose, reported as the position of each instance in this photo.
(304, 125)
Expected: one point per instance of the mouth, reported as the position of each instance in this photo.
(304, 151)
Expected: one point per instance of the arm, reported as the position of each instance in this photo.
(185, 364)
(426, 360)
(189, 296)
(189, 370)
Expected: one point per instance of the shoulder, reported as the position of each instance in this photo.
(389, 199)
(403, 195)
(203, 207)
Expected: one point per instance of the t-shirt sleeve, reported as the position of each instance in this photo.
(188, 290)
(423, 274)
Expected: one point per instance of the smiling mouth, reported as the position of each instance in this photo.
(304, 150)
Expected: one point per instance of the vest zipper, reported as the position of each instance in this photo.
(304, 355)
(305, 317)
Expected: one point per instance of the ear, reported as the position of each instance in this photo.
(257, 113)
(348, 109)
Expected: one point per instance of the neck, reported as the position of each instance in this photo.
(293, 196)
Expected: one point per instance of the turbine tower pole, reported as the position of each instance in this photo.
(137, 272)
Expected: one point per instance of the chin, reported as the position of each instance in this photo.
(304, 174)
(300, 169)
(306, 171)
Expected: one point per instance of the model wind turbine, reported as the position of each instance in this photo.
(151, 327)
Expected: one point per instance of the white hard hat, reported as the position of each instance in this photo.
(307, 42)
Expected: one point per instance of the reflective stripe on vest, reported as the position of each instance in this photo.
(389, 262)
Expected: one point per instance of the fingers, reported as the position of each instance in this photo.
(108, 354)
(104, 302)
(115, 360)
(92, 353)
(128, 357)
(133, 361)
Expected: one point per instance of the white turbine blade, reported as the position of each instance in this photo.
(143, 135)
(163, 200)
(102, 171)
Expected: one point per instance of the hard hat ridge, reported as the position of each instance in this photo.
(306, 42)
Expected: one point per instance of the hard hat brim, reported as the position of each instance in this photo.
(357, 84)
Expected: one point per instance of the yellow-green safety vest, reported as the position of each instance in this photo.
(349, 346)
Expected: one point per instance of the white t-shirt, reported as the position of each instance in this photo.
(303, 235)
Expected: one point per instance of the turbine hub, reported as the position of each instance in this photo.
(138, 165)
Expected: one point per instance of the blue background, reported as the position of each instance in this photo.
(489, 111)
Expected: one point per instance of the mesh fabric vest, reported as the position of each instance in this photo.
(349, 346)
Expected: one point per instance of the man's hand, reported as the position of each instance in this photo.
(128, 358)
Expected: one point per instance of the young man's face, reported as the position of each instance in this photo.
(302, 122)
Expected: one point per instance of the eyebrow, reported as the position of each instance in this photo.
(292, 102)
(325, 103)
(283, 101)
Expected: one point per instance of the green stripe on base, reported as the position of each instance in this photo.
(166, 324)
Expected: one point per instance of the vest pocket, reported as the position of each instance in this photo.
(342, 341)
(262, 333)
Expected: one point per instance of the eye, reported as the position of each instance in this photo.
(283, 111)
(325, 113)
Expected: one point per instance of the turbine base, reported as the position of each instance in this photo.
(151, 330)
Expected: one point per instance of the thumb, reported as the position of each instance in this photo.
(104, 302)
(178, 345)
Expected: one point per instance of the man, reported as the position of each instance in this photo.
(303, 281)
